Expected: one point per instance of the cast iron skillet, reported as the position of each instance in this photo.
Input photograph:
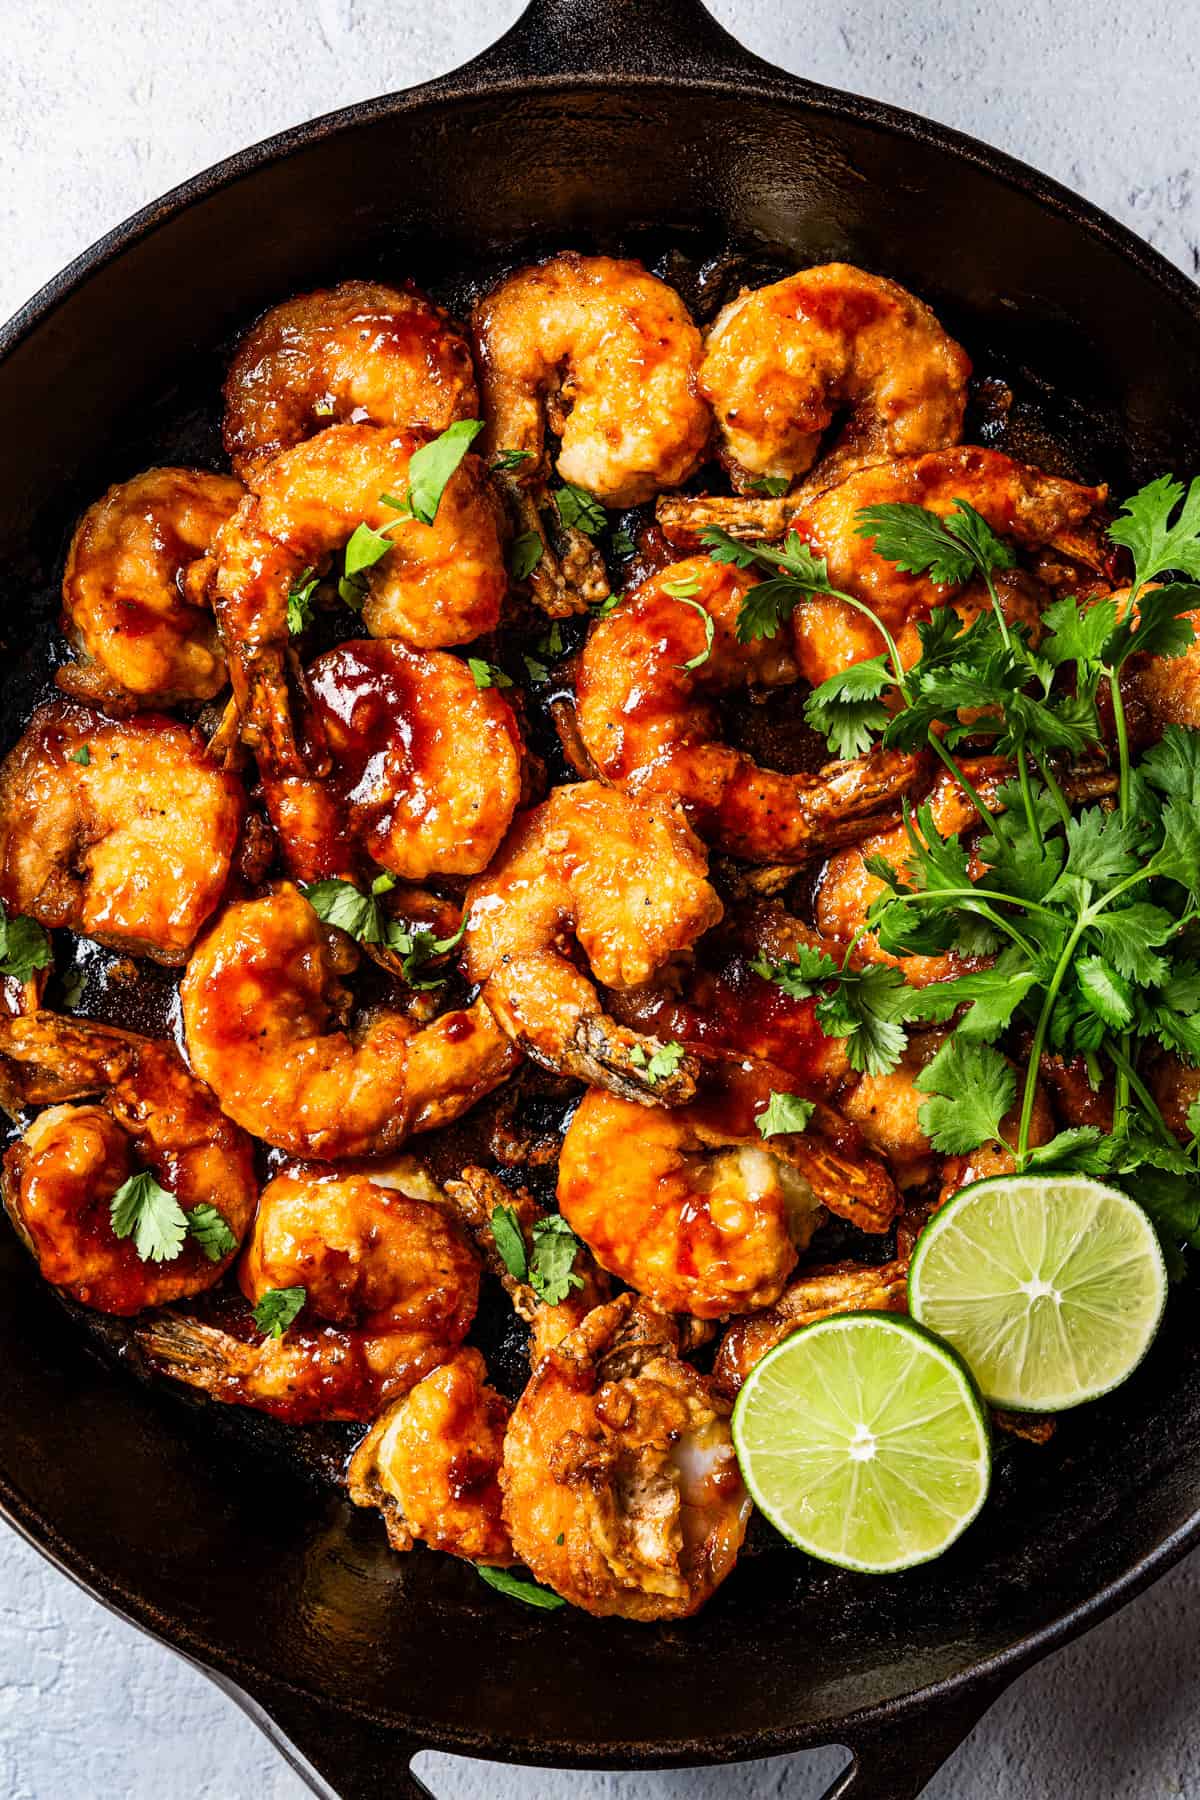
(591, 119)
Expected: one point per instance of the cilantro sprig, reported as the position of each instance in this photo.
(547, 1263)
(1089, 916)
(360, 914)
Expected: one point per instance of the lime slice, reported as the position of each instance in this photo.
(1051, 1287)
(864, 1441)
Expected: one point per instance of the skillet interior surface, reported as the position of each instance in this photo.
(195, 1524)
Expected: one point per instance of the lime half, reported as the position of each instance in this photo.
(864, 1441)
(1050, 1287)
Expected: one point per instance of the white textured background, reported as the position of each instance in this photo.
(103, 105)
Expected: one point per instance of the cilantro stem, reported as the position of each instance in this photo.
(1052, 788)
(1039, 1035)
(995, 599)
(1026, 791)
(1119, 720)
(1126, 1069)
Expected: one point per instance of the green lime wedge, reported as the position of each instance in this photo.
(1051, 1287)
(864, 1441)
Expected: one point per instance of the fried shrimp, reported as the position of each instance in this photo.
(134, 591)
(783, 363)
(606, 355)
(647, 688)
(1024, 505)
(621, 1488)
(426, 767)
(847, 888)
(361, 352)
(390, 1287)
(698, 1222)
(123, 830)
(626, 879)
(264, 1010)
(440, 584)
(817, 1294)
(431, 1464)
(150, 1116)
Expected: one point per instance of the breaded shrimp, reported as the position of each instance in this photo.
(621, 1488)
(151, 1115)
(361, 352)
(263, 1005)
(427, 765)
(831, 344)
(647, 688)
(847, 889)
(626, 879)
(816, 1294)
(697, 1221)
(390, 1287)
(123, 830)
(606, 354)
(134, 591)
(431, 1464)
(441, 584)
(1024, 505)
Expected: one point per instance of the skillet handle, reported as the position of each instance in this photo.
(896, 1761)
(339, 1758)
(675, 38)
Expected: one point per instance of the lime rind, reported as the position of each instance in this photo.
(1051, 1288)
(864, 1440)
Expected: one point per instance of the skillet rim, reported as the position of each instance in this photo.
(753, 80)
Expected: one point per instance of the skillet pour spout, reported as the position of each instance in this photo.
(590, 123)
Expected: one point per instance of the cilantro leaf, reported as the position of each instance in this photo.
(580, 510)
(510, 1241)
(868, 1009)
(1080, 1149)
(1157, 545)
(664, 1061)
(278, 1309)
(418, 948)
(1105, 991)
(846, 708)
(993, 994)
(340, 903)
(551, 1262)
(24, 945)
(1128, 938)
(1077, 631)
(505, 1582)
(801, 976)
(785, 1112)
(151, 1215)
(1173, 764)
(773, 486)
(973, 1089)
(1155, 627)
(300, 602)
(948, 549)
(536, 671)
(765, 607)
(365, 548)
(430, 468)
(83, 755)
(510, 459)
(487, 675)
(622, 543)
(210, 1229)
(525, 556)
